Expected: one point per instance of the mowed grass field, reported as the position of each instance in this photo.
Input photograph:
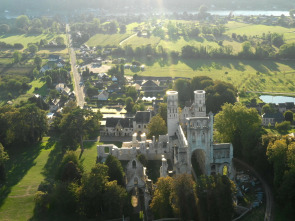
(105, 39)
(251, 29)
(277, 76)
(231, 27)
(26, 171)
(27, 168)
(25, 39)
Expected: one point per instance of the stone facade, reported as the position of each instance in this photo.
(193, 136)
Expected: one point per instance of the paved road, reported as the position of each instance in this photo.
(268, 194)
(79, 89)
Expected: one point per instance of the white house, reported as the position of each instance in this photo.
(103, 96)
(60, 87)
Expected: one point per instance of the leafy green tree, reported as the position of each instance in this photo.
(3, 159)
(115, 171)
(129, 104)
(38, 62)
(288, 116)
(277, 39)
(131, 92)
(183, 197)
(22, 21)
(276, 153)
(287, 50)
(216, 194)
(163, 111)
(60, 40)
(17, 56)
(24, 125)
(92, 191)
(115, 200)
(32, 48)
(246, 50)
(219, 94)
(122, 29)
(156, 127)
(160, 204)
(268, 108)
(183, 87)
(4, 28)
(239, 125)
(77, 125)
(283, 126)
(70, 168)
(159, 32)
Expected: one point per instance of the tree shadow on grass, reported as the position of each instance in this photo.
(263, 66)
(54, 159)
(21, 160)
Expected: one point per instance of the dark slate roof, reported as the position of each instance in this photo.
(149, 83)
(277, 116)
(282, 105)
(53, 56)
(140, 78)
(142, 117)
(125, 122)
(289, 105)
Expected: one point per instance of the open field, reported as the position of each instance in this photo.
(140, 41)
(176, 45)
(27, 38)
(273, 75)
(105, 39)
(27, 168)
(232, 27)
(251, 29)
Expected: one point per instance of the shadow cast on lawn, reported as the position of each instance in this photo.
(54, 158)
(22, 161)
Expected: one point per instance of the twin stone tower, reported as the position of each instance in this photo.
(191, 136)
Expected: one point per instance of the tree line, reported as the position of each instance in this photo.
(98, 194)
(217, 92)
(24, 25)
(271, 155)
(208, 198)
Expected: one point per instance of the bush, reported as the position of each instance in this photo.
(284, 126)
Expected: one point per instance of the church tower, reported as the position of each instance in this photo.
(172, 112)
(199, 103)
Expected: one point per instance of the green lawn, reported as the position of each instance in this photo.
(89, 155)
(251, 29)
(104, 39)
(38, 84)
(26, 38)
(140, 41)
(277, 76)
(26, 171)
(5, 61)
(176, 45)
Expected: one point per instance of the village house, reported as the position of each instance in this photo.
(272, 118)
